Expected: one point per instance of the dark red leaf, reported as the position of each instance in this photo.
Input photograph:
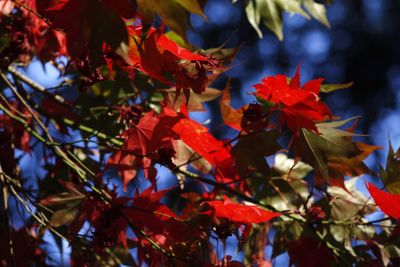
(126, 165)
(308, 252)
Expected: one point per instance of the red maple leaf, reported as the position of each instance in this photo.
(236, 215)
(164, 43)
(239, 213)
(163, 59)
(143, 141)
(150, 142)
(160, 224)
(148, 212)
(126, 164)
(387, 202)
(148, 135)
(107, 219)
(29, 34)
(109, 223)
(199, 139)
(300, 106)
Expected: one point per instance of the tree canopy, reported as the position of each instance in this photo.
(122, 112)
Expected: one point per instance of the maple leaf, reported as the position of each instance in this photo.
(144, 140)
(231, 117)
(230, 214)
(348, 202)
(72, 207)
(198, 138)
(76, 206)
(201, 141)
(246, 118)
(48, 42)
(93, 23)
(148, 135)
(332, 153)
(167, 44)
(29, 34)
(300, 107)
(161, 58)
(154, 133)
(126, 165)
(269, 13)
(161, 224)
(185, 154)
(148, 212)
(251, 150)
(391, 173)
(173, 13)
(239, 213)
(109, 223)
(387, 202)
(195, 102)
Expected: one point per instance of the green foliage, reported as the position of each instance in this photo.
(391, 174)
(269, 13)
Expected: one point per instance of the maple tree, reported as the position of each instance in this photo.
(286, 180)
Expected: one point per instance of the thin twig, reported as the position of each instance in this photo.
(34, 85)
(46, 20)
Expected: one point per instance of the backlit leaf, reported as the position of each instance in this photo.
(65, 216)
(251, 150)
(332, 153)
(317, 11)
(269, 13)
(387, 202)
(327, 88)
(231, 117)
(391, 173)
(240, 213)
(195, 102)
(174, 13)
(348, 202)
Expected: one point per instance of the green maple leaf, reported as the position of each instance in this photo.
(269, 13)
(251, 150)
(174, 13)
(391, 174)
(316, 149)
(333, 153)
